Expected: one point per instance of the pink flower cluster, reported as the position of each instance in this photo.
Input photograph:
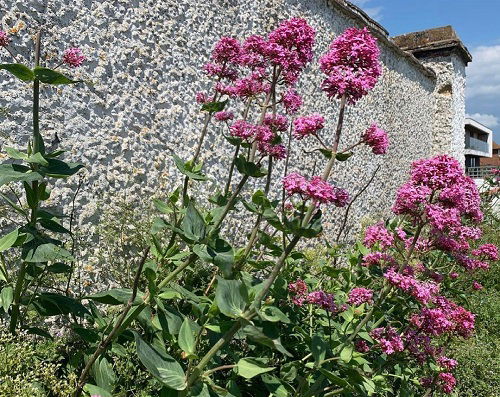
(73, 57)
(351, 65)
(445, 317)
(447, 382)
(388, 339)
(487, 251)
(307, 125)
(316, 189)
(299, 290)
(361, 346)
(378, 234)
(262, 134)
(4, 39)
(224, 116)
(378, 258)
(358, 296)
(292, 101)
(376, 138)
(446, 363)
(277, 122)
(420, 290)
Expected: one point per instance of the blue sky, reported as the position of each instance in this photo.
(477, 22)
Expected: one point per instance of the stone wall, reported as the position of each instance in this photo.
(144, 68)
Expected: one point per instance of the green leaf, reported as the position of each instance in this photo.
(60, 169)
(274, 385)
(220, 253)
(318, 348)
(6, 298)
(20, 71)
(251, 366)
(343, 156)
(163, 206)
(248, 168)
(13, 172)
(53, 226)
(213, 107)
(193, 224)
(39, 331)
(346, 353)
(96, 391)
(104, 375)
(48, 304)
(169, 293)
(9, 240)
(273, 314)
(231, 297)
(336, 380)
(183, 168)
(162, 366)
(49, 76)
(59, 268)
(258, 335)
(186, 337)
(86, 334)
(115, 296)
(48, 252)
(326, 152)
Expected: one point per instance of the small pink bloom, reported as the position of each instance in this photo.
(224, 116)
(201, 97)
(361, 346)
(4, 39)
(377, 139)
(357, 296)
(308, 125)
(292, 101)
(477, 286)
(378, 234)
(73, 57)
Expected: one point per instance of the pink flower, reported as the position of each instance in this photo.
(227, 49)
(454, 275)
(263, 134)
(298, 289)
(420, 290)
(295, 183)
(377, 139)
(409, 199)
(341, 198)
(292, 101)
(357, 296)
(377, 258)
(276, 151)
(351, 65)
(447, 363)
(242, 129)
(389, 339)
(477, 286)
(278, 122)
(438, 172)
(361, 346)
(222, 71)
(487, 251)
(442, 218)
(320, 190)
(322, 299)
(224, 116)
(201, 97)
(73, 57)
(250, 86)
(4, 39)
(446, 382)
(308, 125)
(378, 234)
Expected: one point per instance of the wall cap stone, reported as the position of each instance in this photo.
(433, 42)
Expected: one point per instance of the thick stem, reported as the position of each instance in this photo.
(14, 316)
(38, 145)
(231, 170)
(114, 332)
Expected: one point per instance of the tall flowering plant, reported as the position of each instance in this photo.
(210, 314)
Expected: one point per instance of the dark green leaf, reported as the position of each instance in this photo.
(183, 168)
(336, 380)
(48, 304)
(60, 169)
(96, 391)
(343, 156)
(58, 268)
(275, 386)
(53, 226)
(231, 297)
(47, 252)
(20, 71)
(39, 331)
(258, 335)
(186, 337)
(162, 366)
(88, 335)
(193, 224)
(220, 253)
(49, 76)
(252, 366)
(9, 240)
(213, 107)
(248, 168)
(12, 172)
(115, 296)
(318, 348)
(326, 152)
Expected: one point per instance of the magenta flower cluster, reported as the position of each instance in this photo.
(4, 39)
(358, 296)
(388, 339)
(307, 125)
(300, 294)
(378, 234)
(262, 134)
(351, 65)
(73, 57)
(422, 291)
(316, 189)
(376, 138)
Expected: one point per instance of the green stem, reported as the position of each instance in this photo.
(17, 296)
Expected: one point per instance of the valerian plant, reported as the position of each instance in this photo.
(212, 314)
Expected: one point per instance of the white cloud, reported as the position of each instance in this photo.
(489, 120)
(373, 12)
(483, 74)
